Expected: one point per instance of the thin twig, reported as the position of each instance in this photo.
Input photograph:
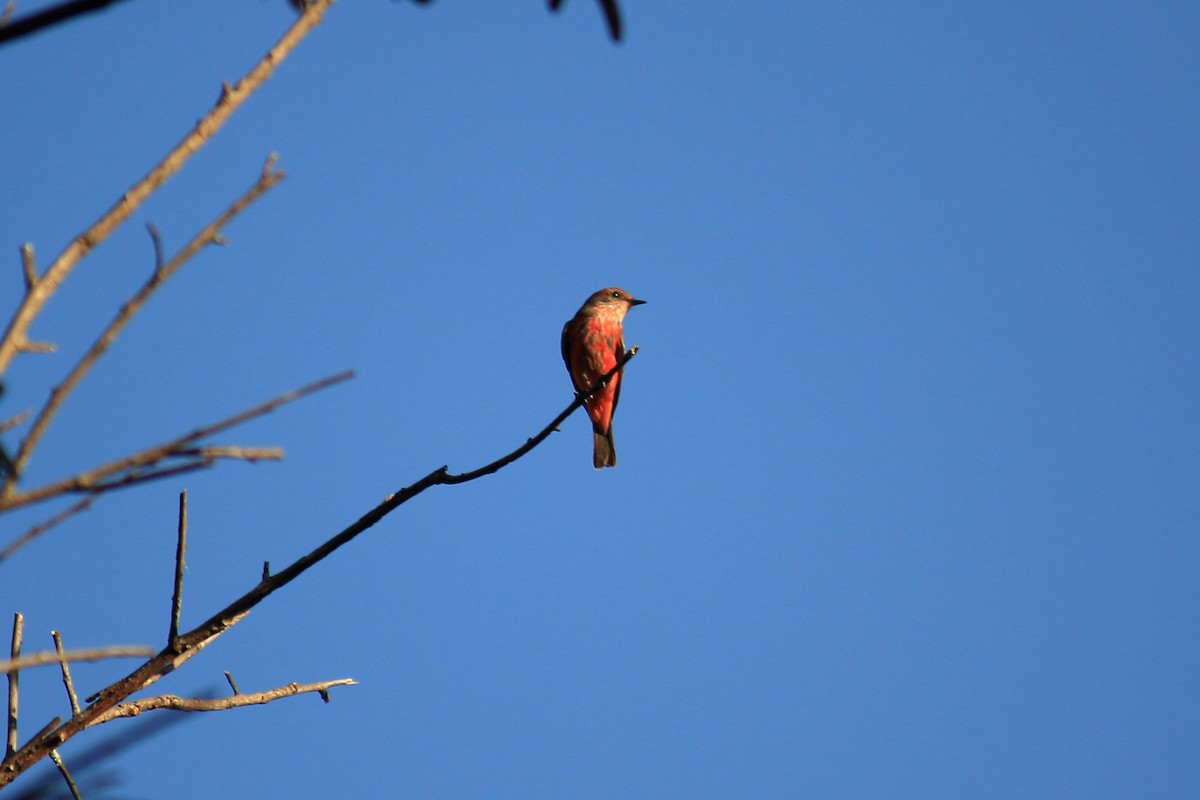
(229, 101)
(41, 659)
(177, 703)
(39, 738)
(32, 23)
(156, 241)
(15, 420)
(10, 745)
(612, 16)
(192, 642)
(37, 530)
(180, 550)
(29, 266)
(62, 769)
(232, 683)
(140, 467)
(66, 672)
(268, 178)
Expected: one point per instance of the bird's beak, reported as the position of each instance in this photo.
(633, 301)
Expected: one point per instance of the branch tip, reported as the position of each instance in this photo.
(28, 264)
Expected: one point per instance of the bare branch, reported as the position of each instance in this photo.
(162, 271)
(232, 683)
(37, 530)
(39, 738)
(10, 745)
(29, 266)
(145, 465)
(45, 657)
(176, 703)
(29, 346)
(32, 23)
(68, 684)
(103, 703)
(180, 550)
(62, 769)
(195, 139)
(14, 420)
(156, 241)
(612, 16)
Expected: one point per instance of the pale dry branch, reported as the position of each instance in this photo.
(41, 659)
(66, 773)
(148, 464)
(14, 678)
(188, 644)
(68, 684)
(268, 178)
(15, 420)
(230, 99)
(39, 738)
(45, 525)
(239, 700)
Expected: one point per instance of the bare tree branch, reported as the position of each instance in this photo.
(188, 644)
(612, 16)
(176, 703)
(15, 420)
(10, 745)
(269, 178)
(45, 525)
(231, 98)
(41, 659)
(180, 551)
(29, 264)
(62, 770)
(68, 684)
(145, 464)
(40, 20)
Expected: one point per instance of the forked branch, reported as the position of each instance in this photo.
(232, 96)
(186, 645)
(163, 271)
(237, 700)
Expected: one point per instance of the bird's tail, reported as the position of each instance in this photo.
(604, 452)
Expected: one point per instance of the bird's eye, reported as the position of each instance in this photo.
(616, 294)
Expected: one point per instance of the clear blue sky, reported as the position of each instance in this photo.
(909, 495)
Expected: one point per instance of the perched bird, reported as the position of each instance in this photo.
(592, 343)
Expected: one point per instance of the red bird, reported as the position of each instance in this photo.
(592, 343)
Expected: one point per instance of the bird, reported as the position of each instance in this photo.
(593, 341)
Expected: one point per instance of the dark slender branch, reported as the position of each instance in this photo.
(29, 266)
(612, 16)
(54, 15)
(45, 525)
(190, 643)
(180, 550)
(546, 431)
